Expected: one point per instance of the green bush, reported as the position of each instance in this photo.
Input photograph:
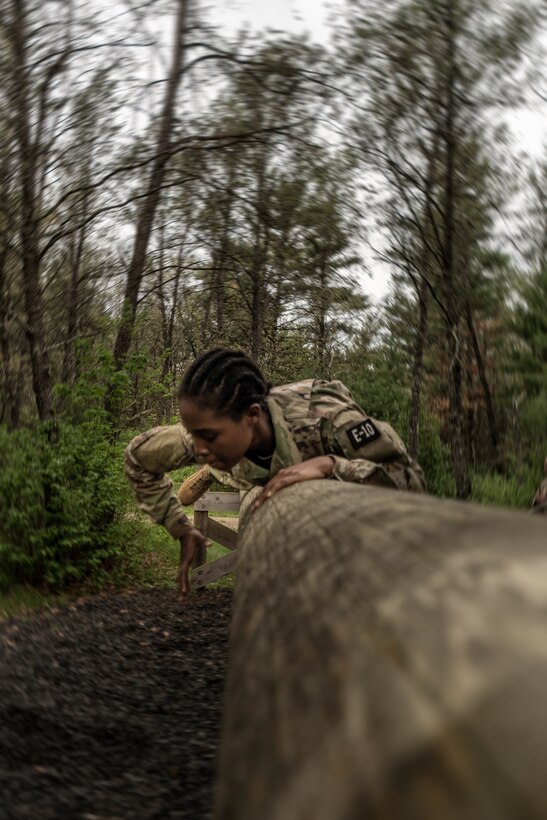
(434, 458)
(502, 491)
(533, 424)
(380, 391)
(63, 501)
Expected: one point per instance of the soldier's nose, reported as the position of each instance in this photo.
(200, 449)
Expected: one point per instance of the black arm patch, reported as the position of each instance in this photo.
(362, 434)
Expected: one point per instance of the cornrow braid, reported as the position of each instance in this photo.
(227, 381)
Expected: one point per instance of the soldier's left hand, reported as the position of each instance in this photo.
(189, 542)
(313, 468)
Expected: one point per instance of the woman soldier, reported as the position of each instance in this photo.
(249, 433)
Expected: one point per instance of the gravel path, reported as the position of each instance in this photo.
(111, 707)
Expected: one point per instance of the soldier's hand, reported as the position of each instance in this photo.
(313, 468)
(189, 542)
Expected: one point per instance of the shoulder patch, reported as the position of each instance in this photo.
(363, 433)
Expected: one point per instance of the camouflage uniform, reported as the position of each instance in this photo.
(310, 418)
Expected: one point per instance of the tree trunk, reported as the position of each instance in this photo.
(10, 398)
(167, 327)
(488, 401)
(73, 304)
(29, 230)
(221, 257)
(10, 407)
(256, 315)
(387, 660)
(457, 442)
(452, 319)
(417, 369)
(258, 292)
(147, 212)
(322, 312)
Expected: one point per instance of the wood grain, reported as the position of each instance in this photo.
(222, 534)
(217, 502)
(388, 660)
(202, 524)
(212, 571)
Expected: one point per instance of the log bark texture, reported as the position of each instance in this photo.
(388, 659)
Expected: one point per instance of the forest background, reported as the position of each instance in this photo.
(158, 200)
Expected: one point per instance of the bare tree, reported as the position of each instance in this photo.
(149, 204)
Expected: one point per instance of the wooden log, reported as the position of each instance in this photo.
(388, 661)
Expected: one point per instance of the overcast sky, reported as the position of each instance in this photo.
(285, 15)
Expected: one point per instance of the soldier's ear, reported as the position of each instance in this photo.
(254, 412)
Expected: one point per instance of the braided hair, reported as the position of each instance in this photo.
(226, 381)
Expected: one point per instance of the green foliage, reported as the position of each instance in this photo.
(22, 599)
(527, 456)
(434, 458)
(379, 388)
(502, 491)
(533, 423)
(83, 401)
(530, 323)
(63, 500)
(524, 454)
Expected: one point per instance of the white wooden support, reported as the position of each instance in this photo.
(205, 573)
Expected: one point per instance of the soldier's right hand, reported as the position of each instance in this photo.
(189, 542)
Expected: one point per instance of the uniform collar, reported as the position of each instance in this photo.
(285, 453)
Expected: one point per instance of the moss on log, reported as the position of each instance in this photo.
(388, 659)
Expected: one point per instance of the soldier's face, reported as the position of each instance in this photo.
(219, 440)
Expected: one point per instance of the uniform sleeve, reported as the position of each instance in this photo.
(148, 458)
(368, 451)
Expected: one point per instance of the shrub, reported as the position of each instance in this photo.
(62, 502)
(502, 491)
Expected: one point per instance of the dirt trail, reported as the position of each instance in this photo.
(111, 708)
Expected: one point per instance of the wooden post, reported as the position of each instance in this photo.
(201, 523)
(388, 661)
(205, 573)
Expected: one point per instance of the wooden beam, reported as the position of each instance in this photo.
(388, 660)
(201, 523)
(217, 502)
(222, 534)
(214, 570)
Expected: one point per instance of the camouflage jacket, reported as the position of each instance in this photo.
(310, 418)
